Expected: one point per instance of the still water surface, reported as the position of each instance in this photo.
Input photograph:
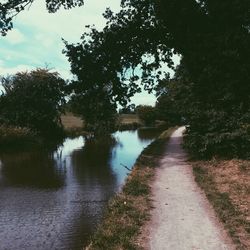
(55, 199)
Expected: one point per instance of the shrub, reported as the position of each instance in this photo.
(229, 144)
(33, 100)
(147, 114)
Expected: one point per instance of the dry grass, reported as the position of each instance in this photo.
(129, 210)
(71, 121)
(227, 186)
(129, 118)
(74, 126)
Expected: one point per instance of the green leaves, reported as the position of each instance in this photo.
(34, 100)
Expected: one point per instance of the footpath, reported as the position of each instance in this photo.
(182, 218)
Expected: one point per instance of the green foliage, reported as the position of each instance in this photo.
(127, 49)
(97, 111)
(128, 109)
(213, 129)
(33, 100)
(147, 114)
(211, 88)
(226, 142)
(166, 106)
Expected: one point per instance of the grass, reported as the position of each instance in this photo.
(129, 118)
(129, 210)
(74, 126)
(227, 186)
(128, 122)
(70, 121)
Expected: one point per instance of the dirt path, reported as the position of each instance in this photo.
(182, 218)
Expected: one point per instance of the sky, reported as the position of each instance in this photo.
(36, 39)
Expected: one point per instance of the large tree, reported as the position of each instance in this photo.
(211, 36)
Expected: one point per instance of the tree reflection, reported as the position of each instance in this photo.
(148, 133)
(94, 159)
(34, 169)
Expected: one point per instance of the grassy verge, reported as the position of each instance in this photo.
(227, 186)
(129, 210)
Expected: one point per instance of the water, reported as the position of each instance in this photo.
(55, 199)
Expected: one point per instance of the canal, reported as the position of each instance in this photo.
(54, 199)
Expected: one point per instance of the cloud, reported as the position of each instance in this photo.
(14, 37)
(44, 40)
(69, 24)
(144, 98)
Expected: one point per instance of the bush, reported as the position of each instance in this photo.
(147, 114)
(229, 144)
(33, 100)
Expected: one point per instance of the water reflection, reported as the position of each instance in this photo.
(55, 199)
(36, 169)
(145, 134)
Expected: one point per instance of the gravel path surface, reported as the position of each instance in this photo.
(182, 218)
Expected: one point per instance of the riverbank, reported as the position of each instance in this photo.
(227, 187)
(74, 125)
(129, 209)
(16, 138)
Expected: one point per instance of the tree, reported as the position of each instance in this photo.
(128, 109)
(211, 36)
(211, 130)
(34, 100)
(147, 114)
(166, 110)
(97, 111)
